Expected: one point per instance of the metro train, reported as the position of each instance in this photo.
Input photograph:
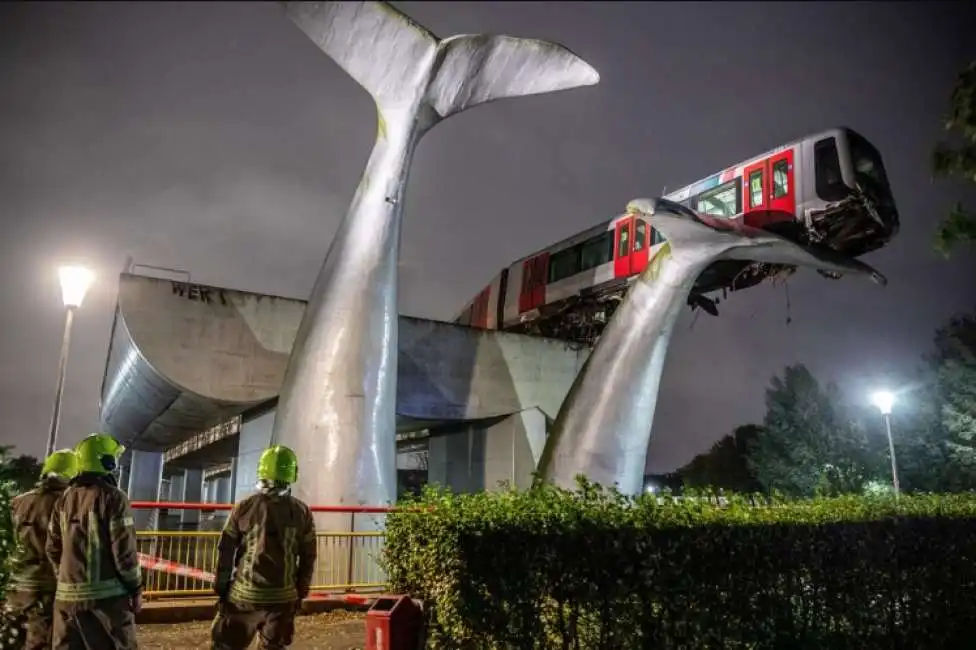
(828, 189)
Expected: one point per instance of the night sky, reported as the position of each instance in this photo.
(217, 138)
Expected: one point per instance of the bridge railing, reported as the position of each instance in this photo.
(183, 563)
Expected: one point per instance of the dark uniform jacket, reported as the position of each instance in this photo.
(30, 571)
(92, 543)
(267, 551)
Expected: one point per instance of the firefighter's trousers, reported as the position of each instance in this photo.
(108, 624)
(237, 623)
(32, 613)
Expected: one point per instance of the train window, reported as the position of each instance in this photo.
(781, 178)
(656, 237)
(722, 201)
(596, 251)
(564, 264)
(866, 160)
(829, 181)
(640, 235)
(756, 189)
(623, 248)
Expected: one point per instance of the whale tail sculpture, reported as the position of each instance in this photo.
(603, 428)
(338, 399)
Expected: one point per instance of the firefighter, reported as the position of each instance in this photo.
(92, 544)
(30, 594)
(265, 533)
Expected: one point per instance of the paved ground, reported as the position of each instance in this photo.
(338, 630)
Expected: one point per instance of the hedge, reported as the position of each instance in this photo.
(592, 569)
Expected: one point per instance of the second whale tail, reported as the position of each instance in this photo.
(734, 240)
(398, 61)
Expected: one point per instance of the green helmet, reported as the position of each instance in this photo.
(98, 453)
(63, 463)
(278, 464)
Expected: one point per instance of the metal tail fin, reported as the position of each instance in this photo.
(393, 58)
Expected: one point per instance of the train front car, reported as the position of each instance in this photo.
(853, 210)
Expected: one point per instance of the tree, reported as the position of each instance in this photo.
(725, 465)
(959, 226)
(954, 363)
(21, 471)
(7, 539)
(810, 442)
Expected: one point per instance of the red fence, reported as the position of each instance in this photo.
(206, 507)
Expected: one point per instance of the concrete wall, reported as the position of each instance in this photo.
(186, 357)
(255, 438)
(477, 456)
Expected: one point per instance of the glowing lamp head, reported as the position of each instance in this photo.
(884, 401)
(75, 281)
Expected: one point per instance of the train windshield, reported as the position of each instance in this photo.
(867, 162)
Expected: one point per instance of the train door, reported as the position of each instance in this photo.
(754, 187)
(642, 244)
(781, 184)
(534, 273)
(623, 244)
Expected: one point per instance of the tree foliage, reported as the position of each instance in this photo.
(810, 443)
(954, 364)
(725, 466)
(7, 539)
(592, 569)
(959, 226)
(21, 471)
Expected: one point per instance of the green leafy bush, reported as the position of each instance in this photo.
(7, 538)
(592, 569)
(11, 629)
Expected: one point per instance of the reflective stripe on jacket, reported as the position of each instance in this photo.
(92, 542)
(267, 551)
(30, 570)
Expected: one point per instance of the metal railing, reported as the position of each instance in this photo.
(182, 563)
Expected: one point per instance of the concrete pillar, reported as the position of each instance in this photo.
(222, 490)
(145, 476)
(124, 473)
(192, 493)
(254, 438)
(233, 479)
(477, 456)
(176, 487)
(175, 496)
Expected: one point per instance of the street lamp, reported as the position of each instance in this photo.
(884, 401)
(75, 281)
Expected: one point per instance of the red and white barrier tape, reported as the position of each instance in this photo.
(159, 564)
(151, 563)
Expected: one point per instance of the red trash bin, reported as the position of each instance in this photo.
(393, 623)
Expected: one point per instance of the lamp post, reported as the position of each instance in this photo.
(75, 281)
(884, 401)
